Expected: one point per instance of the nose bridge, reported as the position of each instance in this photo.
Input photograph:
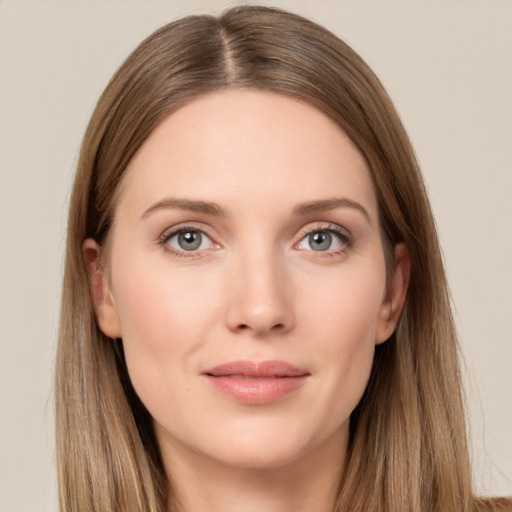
(260, 302)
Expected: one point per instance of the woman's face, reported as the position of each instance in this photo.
(246, 277)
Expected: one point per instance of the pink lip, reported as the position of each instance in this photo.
(251, 382)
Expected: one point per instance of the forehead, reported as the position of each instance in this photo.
(248, 147)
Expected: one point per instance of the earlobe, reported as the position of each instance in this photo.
(103, 302)
(395, 295)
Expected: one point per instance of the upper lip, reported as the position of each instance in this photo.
(261, 369)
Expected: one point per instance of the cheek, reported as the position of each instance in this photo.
(346, 303)
(155, 302)
(165, 317)
(345, 318)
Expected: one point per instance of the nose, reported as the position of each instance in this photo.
(261, 298)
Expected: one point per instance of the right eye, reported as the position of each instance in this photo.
(188, 240)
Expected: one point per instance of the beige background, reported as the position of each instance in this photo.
(448, 66)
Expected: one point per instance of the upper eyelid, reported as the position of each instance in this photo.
(327, 226)
(173, 230)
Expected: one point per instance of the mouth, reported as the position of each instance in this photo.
(256, 383)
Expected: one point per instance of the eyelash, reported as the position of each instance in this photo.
(343, 236)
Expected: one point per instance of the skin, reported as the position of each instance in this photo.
(255, 289)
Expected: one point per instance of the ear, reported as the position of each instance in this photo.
(395, 294)
(103, 302)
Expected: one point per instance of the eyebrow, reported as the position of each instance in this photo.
(330, 204)
(184, 204)
(210, 208)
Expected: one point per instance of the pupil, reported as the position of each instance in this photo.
(189, 240)
(320, 241)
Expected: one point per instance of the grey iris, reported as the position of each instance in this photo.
(320, 241)
(189, 240)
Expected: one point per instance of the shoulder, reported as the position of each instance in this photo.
(493, 505)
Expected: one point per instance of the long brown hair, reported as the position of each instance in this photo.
(408, 449)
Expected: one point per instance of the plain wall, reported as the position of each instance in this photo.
(446, 63)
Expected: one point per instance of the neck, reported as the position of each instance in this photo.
(309, 484)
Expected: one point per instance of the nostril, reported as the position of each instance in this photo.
(276, 327)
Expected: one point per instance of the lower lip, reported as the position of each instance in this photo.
(256, 391)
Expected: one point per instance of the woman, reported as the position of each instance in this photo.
(255, 313)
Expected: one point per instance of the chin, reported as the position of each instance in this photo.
(258, 460)
(271, 456)
(268, 446)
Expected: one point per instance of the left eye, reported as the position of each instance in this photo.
(322, 241)
(189, 240)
